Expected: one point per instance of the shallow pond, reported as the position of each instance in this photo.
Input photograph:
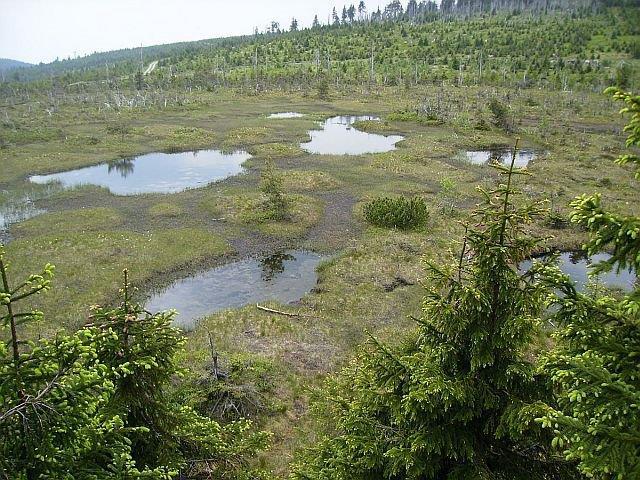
(284, 276)
(339, 137)
(499, 155)
(14, 212)
(286, 115)
(18, 204)
(154, 172)
(575, 264)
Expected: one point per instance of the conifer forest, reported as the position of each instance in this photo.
(395, 241)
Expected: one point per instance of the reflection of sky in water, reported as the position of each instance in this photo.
(154, 172)
(502, 155)
(284, 277)
(339, 137)
(576, 265)
(15, 211)
(286, 115)
(18, 205)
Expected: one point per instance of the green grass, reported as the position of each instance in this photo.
(89, 262)
(76, 221)
(272, 151)
(166, 209)
(91, 235)
(400, 212)
(245, 209)
(309, 181)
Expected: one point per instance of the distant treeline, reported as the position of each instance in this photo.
(585, 43)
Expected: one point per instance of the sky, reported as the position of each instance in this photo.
(42, 30)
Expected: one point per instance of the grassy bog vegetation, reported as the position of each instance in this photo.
(463, 367)
(399, 212)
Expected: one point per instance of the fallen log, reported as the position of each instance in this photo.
(280, 312)
(271, 310)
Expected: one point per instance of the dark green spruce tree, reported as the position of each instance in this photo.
(457, 401)
(95, 404)
(596, 365)
(53, 394)
(141, 350)
(276, 203)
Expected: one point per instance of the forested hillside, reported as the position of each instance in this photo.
(7, 64)
(395, 244)
(545, 44)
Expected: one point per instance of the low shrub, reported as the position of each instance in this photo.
(500, 114)
(323, 89)
(242, 387)
(556, 220)
(400, 212)
(425, 118)
(276, 203)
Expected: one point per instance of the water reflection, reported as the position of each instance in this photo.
(16, 211)
(124, 166)
(284, 276)
(154, 172)
(499, 155)
(274, 264)
(339, 137)
(286, 115)
(576, 265)
(18, 204)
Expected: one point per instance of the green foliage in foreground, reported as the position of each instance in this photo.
(596, 366)
(458, 400)
(53, 394)
(399, 212)
(94, 405)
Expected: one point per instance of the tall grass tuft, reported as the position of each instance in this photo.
(402, 213)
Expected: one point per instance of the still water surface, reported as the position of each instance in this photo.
(283, 276)
(576, 265)
(339, 137)
(500, 155)
(154, 172)
(286, 115)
